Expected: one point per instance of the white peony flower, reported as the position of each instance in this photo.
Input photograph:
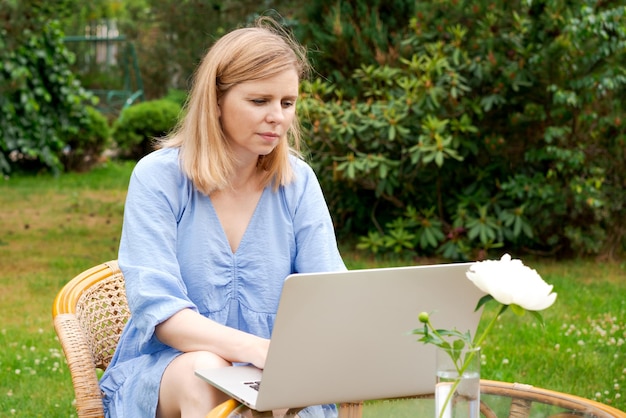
(510, 282)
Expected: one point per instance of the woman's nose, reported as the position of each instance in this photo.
(275, 113)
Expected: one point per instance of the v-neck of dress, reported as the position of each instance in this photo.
(251, 221)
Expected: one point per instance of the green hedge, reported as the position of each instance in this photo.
(85, 147)
(138, 125)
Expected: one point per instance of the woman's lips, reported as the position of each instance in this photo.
(269, 136)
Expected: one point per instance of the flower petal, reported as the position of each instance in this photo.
(509, 281)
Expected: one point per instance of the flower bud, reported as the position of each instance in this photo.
(423, 317)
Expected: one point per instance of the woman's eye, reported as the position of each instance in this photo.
(258, 101)
(287, 103)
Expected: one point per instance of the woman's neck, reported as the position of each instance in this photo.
(247, 178)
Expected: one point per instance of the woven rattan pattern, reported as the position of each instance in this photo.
(102, 312)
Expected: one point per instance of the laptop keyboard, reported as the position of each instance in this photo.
(254, 384)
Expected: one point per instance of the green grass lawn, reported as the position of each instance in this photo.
(53, 228)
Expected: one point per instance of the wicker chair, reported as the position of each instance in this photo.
(89, 314)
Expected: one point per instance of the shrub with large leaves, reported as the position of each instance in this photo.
(496, 131)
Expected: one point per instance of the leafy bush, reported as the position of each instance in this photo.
(496, 131)
(343, 35)
(41, 102)
(139, 124)
(177, 96)
(84, 148)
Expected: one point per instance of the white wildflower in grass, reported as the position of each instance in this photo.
(571, 330)
(505, 361)
(600, 331)
(18, 371)
(55, 353)
(603, 333)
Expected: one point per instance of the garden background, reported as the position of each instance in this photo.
(440, 131)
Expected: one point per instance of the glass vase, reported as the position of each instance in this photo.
(457, 389)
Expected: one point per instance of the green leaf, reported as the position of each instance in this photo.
(458, 345)
(482, 301)
(539, 317)
(517, 310)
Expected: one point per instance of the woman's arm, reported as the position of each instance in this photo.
(187, 331)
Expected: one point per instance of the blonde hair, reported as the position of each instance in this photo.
(245, 54)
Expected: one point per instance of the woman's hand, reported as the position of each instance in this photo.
(258, 352)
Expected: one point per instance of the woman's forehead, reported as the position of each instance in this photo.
(286, 82)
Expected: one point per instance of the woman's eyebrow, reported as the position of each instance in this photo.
(271, 95)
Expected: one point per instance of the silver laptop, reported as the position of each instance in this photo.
(346, 337)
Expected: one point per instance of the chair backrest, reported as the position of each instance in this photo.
(89, 314)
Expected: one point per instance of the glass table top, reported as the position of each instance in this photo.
(498, 400)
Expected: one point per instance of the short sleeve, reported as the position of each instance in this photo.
(316, 242)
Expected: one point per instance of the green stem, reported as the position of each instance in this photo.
(479, 341)
(449, 397)
(434, 330)
(468, 359)
(457, 381)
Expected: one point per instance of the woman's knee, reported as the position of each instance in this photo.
(197, 395)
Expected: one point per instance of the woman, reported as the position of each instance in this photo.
(214, 221)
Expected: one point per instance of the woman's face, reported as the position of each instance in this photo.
(255, 115)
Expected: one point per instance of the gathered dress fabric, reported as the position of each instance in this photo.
(175, 255)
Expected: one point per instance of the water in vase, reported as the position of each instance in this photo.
(465, 402)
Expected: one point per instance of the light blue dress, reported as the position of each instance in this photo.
(174, 255)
